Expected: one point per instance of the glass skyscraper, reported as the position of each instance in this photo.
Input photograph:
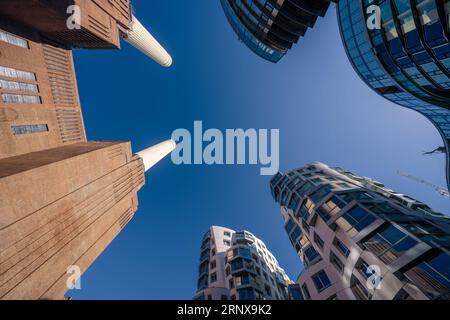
(270, 27)
(359, 239)
(407, 59)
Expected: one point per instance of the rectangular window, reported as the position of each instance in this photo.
(336, 262)
(389, 243)
(321, 281)
(14, 73)
(318, 240)
(227, 234)
(355, 220)
(12, 39)
(20, 98)
(18, 86)
(306, 292)
(342, 247)
(432, 276)
(311, 255)
(213, 277)
(227, 242)
(25, 129)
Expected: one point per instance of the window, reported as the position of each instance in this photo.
(311, 255)
(358, 196)
(336, 262)
(295, 234)
(359, 290)
(306, 292)
(246, 294)
(213, 264)
(342, 247)
(213, 277)
(213, 252)
(268, 290)
(209, 297)
(432, 276)
(227, 242)
(231, 283)
(355, 220)
(289, 226)
(20, 98)
(14, 73)
(305, 209)
(319, 194)
(227, 234)
(25, 129)
(294, 202)
(389, 243)
(12, 39)
(318, 240)
(321, 281)
(333, 206)
(18, 86)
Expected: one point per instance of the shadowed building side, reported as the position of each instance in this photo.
(62, 207)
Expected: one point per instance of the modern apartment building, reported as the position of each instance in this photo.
(360, 240)
(270, 27)
(62, 199)
(235, 265)
(407, 59)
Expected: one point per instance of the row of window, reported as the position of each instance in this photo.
(16, 73)
(12, 39)
(26, 129)
(18, 86)
(20, 98)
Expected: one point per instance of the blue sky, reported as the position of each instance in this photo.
(323, 110)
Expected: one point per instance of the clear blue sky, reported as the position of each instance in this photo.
(323, 110)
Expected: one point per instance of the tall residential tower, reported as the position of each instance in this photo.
(360, 240)
(62, 199)
(235, 265)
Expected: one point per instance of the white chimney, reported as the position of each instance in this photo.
(153, 155)
(141, 39)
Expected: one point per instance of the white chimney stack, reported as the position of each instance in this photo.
(153, 155)
(141, 39)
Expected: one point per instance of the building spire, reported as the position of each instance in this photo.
(141, 39)
(156, 153)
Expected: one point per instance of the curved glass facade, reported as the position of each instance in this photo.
(407, 60)
(270, 27)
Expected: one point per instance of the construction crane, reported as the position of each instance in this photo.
(442, 191)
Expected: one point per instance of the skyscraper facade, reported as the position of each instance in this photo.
(360, 240)
(235, 265)
(270, 27)
(62, 199)
(407, 59)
